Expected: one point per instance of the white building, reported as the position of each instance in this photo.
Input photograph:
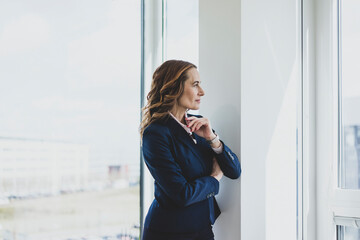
(31, 167)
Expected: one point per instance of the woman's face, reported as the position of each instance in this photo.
(190, 99)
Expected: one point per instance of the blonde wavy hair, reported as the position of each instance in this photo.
(167, 86)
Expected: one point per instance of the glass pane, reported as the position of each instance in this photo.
(348, 233)
(69, 117)
(350, 94)
(182, 30)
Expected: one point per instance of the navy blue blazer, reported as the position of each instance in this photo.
(184, 190)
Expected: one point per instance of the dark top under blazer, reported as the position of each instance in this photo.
(184, 190)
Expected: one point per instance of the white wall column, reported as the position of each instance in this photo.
(270, 71)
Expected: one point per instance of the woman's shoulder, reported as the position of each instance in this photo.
(156, 132)
(156, 127)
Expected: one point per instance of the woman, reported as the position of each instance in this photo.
(184, 155)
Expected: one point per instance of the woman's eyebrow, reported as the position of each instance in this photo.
(197, 82)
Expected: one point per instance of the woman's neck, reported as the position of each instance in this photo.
(179, 114)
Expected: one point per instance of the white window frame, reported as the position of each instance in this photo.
(334, 206)
(152, 57)
(307, 151)
(346, 201)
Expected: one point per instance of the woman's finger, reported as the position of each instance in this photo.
(192, 122)
(198, 125)
(190, 119)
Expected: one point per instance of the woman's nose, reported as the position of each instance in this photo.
(201, 92)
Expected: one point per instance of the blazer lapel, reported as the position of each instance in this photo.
(181, 135)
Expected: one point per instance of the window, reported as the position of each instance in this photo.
(69, 109)
(349, 120)
(350, 94)
(348, 233)
(337, 88)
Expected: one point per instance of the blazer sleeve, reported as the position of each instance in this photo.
(167, 173)
(228, 162)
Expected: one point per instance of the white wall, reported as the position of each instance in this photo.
(219, 67)
(269, 48)
(270, 74)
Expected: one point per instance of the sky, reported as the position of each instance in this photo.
(70, 70)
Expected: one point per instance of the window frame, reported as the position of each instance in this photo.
(334, 206)
(152, 55)
(307, 150)
(346, 201)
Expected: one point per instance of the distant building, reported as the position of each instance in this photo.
(35, 167)
(351, 158)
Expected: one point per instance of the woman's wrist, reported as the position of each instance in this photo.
(216, 144)
(214, 141)
(217, 177)
(211, 137)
